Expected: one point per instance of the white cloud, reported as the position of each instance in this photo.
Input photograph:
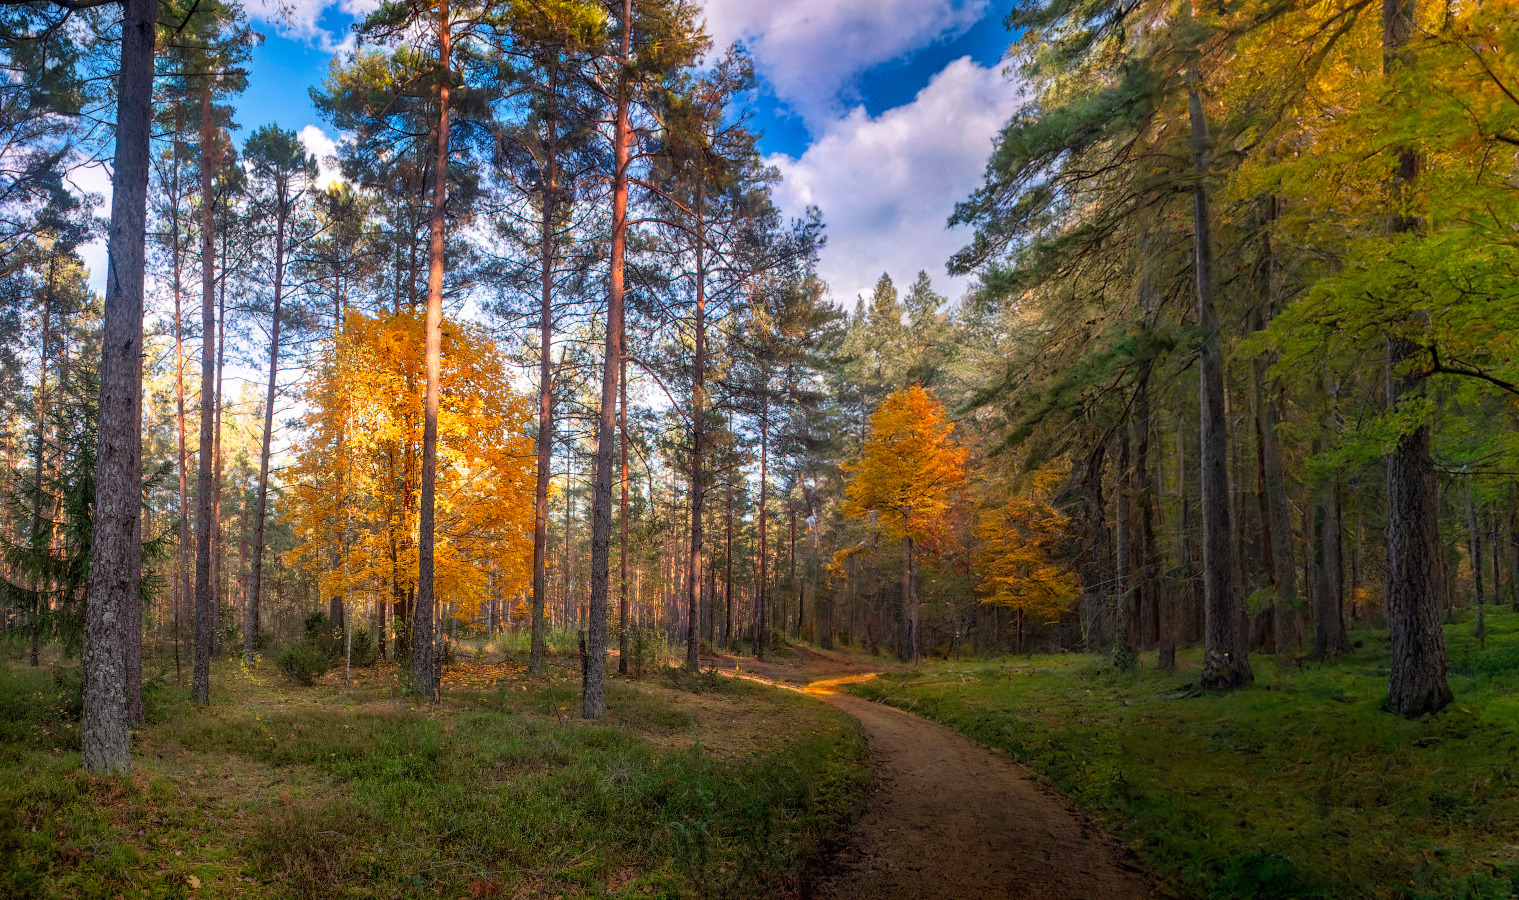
(302, 19)
(325, 149)
(811, 51)
(887, 184)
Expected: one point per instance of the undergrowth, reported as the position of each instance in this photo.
(349, 791)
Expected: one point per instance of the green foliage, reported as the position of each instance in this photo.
(1297, 787)
(362, 651)
(310, 658)
(306, 661)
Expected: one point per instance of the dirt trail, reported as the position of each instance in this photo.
(948, 818)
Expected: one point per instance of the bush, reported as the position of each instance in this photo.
(318, 627)
(362, 651)
(307, 661)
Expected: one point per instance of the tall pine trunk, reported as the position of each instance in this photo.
(698, 434)
(1226, 661)
(261, 499)
(545, 391)
(622, 520)
(593, 677)
(1417, 683)
(761, 592)
(116, 549)
(424, 671)
(182, 584)
(205, 594)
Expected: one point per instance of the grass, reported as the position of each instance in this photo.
(694, 787)
(1298, 787)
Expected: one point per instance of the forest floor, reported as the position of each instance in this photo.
(946, 817)
(1299, 786)
(693, 786)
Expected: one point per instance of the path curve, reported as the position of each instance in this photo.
(947, 818)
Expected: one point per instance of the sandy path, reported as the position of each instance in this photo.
(949, 818)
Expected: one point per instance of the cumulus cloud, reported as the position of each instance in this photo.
(887, 184)
(302, 19)
(811, 51)
(325, 149)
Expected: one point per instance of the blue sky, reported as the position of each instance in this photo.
(881, 112)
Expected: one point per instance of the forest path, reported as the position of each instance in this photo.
(948, 818)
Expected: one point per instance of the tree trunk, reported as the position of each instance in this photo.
(1125, 636)
(1474, 546)
(182, 583)
(217, 579)
(760, 589)
(1278, 518)
(622, 521)
(728, 618)
(205, 594)
(545, 391)
(116, 551)
(1226, 662)
(593, 687)
(261, 500)
(698, 433)
(1417, 684)
(424, 672)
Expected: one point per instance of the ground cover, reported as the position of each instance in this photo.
(694, 786)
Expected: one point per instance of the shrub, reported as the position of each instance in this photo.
(307, 661)
(362, 650)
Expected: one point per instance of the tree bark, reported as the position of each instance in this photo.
(182, 584)
(593, 677)
(424, 671)
(1125, 632)
(623, 610)
(698, 447)
(1226, 662)
(116, 551)
(261, 501)
(205, 595)
(1474, 547)
(1417, 683)
(761, 591)
(545, 448)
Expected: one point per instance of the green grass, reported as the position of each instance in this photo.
(1300, 786)
(349, 791)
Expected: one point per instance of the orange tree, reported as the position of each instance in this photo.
(354, 491)
(907, 479)
(1017, 555)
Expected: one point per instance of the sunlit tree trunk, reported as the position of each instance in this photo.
(182, 584)
(593, 687)
(424, 673)
(622, 522)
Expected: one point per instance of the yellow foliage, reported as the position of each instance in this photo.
(355, 496)
(1016, 558)
(910, 469)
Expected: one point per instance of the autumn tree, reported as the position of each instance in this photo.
(366, 405)
(1018, 554)
(907, 476)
